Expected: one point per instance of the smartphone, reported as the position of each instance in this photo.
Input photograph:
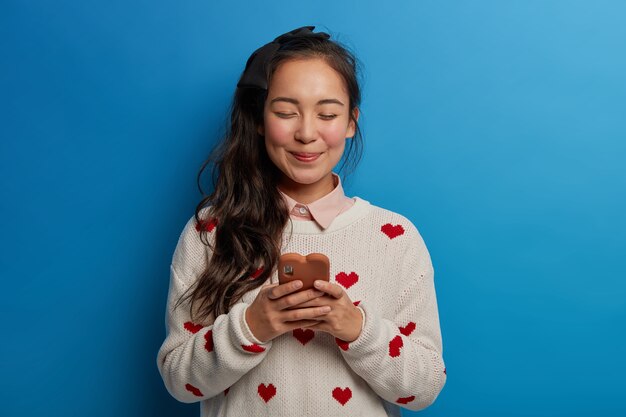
(293, 266)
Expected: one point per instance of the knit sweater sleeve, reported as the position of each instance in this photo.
(198, 361)
(400, 357)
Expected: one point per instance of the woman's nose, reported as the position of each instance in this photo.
(307, 130)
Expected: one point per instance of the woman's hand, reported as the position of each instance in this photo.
(344, 321)
(268, 315)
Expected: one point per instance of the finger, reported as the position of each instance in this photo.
(299, 298)
(314, 325)
(284, 289)
(329, 288)
(306, 313)
(303, 324)
(311, 303)
(319, 299)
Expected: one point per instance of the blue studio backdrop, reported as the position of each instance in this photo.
(497, 127)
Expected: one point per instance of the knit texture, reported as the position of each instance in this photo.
(382, 262)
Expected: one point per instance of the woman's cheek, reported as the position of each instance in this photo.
(279, 132)
(335, 134)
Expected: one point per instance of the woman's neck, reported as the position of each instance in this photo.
(307, 193)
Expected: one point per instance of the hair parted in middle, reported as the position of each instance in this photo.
(249, 213)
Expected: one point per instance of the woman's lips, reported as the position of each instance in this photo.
(305, 156)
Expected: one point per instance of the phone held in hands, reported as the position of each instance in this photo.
(308, 269)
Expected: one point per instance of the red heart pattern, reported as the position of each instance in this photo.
(207, 225)
(304, 336)
(356, 303)
(209, 341)
(342, 395)
(192, 327)
(405, 400)
(254, 348)
(257, 273)
(347, 280)
(342, 344)
(408, 329)
(394, 346)
(266, 392)
(195, 391)
(392, 231)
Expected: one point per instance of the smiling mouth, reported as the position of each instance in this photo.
(305, 156)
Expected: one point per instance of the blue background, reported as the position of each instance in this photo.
(497, 127)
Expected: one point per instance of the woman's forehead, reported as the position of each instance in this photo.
(307, 80)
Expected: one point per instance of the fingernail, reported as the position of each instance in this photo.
(318, 284)
(326, 309)
(297, 284)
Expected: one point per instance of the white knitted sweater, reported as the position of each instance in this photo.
(381, 261)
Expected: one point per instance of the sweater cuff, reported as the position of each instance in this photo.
(370, 332)
(242, 332)
(363, 315)
(246, 329)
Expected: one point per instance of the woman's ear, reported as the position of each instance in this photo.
(352, 124)
(261, 130)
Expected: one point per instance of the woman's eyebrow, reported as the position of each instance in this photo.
(294, 101)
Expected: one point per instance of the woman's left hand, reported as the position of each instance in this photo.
(344, 320)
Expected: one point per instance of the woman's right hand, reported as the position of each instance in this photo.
(268, 315)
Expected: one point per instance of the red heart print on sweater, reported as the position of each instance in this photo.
(304, 336)
(408, 329)
(356, 303)
(395, 345)
(209, 341)
(392, 231)
(342, 395)
(195, 391)
(267, 392)
(257, 273)
(347, 280)
(342, 344)
(405, 400)
(254, 348)
(207, 225)
(192, 327)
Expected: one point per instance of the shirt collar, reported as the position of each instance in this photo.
(325, 209)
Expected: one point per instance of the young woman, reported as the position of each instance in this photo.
(364, 344)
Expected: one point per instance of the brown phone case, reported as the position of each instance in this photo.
(293, 266)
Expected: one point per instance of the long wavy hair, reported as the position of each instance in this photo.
(245, 209)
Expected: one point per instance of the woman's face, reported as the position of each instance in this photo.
(306, 123)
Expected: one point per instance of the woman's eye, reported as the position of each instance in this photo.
(328, 116)
(285, 115)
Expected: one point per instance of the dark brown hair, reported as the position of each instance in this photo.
(246, 206)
